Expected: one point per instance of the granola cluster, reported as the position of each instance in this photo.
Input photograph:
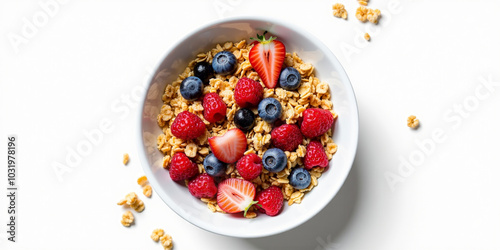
(133, 201)
(413, 122)
(127, 218)
(339, 11)
(364, 14)
(165, 239)
(312, 93)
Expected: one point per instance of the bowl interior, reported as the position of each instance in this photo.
(328, 69)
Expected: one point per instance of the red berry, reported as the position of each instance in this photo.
(235, 195)
(203, 186)
(287, 137)
(214, 108)
(249, 166)
(266, 57)
(187, 126)
(248, 93)
(315, 156)
(270, 200)
(316, 122)
(181, 168)
(230, 147)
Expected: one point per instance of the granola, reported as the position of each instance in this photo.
(339, 11)
(413, 122)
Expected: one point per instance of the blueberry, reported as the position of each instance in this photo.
(213, 166)
(274, 160)
(244, 119)
(290, 78)
(299, 178)
(191, 88)
(224, 63)
(270, 109)
(204, 71)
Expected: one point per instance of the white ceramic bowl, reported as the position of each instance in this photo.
(328, 69)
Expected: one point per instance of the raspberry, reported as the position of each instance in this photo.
(214, 108)
(248, 93)
(203, 186)
(270, 200)
(287, 137)
(181, 168)
(315, 156)
(249, 166)
(187, 126)
(316, 122)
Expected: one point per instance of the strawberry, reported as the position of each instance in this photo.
(266, 57)
(229, 147)
(315, 156)
(270, 200)
(235, 195)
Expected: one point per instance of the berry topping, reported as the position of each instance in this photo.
(213, 166)
(182, 168)
(315, 156)
(248, 93)
(299, 178)
(274, 160)
(224, 63)
(191, 88)
(203, 186)
(249, 166)
(229, 147)
(316, 122)
(270, 109)
(214, 108)
(290, 78)
(286, 137)
(270, 200)
(266, 57)
(235, 195)
(187, 126)
(244, 119)
(204, 71)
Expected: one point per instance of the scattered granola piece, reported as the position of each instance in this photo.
(361, 13)
(363, 2)
(147, 191)
(367, 37)
(125, 159)
(413, 122)
(373, 15)
(339, 11)
(157, 233)
(142, 180)
(127, 218)
(166, 242)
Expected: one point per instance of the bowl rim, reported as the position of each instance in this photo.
(350, 158)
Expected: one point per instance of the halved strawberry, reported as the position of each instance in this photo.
(230, 147)
(266, 57)
(235, 195)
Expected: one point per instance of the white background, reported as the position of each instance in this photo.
(84, 64)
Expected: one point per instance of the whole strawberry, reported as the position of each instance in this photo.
(315, 156)
(182, 168)
(316, 122)
(248, 93)
(203, 186)
(287, 137)
(214, 108)
(270, 200)
(187, 126)
(249, 166)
